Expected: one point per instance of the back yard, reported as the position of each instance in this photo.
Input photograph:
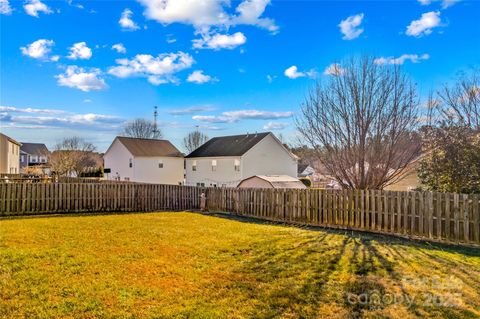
(188, 265)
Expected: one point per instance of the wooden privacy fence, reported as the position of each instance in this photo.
(28, 198)
(435, 216)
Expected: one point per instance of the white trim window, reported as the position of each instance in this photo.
(160, 164)
(237, 165)
(130, 162)
(214, 165)
(194, 166)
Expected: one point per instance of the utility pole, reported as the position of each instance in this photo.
(155, 127)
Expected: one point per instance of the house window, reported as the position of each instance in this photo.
(200, 184)
(214, 165)
(237, 165)
(194, 166)
(160, 164)
(22, 158)
(130, 163)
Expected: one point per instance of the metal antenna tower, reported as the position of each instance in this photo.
(155, 115)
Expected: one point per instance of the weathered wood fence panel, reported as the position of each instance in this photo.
(28, 198)
(435, 216)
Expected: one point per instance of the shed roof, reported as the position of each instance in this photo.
(279, 181)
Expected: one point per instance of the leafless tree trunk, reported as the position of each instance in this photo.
(361, 124)
(73, 155)
(193, 140)
(141, 128)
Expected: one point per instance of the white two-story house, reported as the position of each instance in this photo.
(144, 160)
(227, 160)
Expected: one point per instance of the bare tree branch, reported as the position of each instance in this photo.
(361, 124)
(193, 140)
(141, 128)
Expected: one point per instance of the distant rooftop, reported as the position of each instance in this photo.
(38, 149)
(149, 147)
(235, 145)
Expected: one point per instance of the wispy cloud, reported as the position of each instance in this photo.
(40, 50)
(414, 58)
(56, 118)
(82, 79)
(334, 69)
(199, 77)
(14, 109)
(275, 126)
(191, 110)
(235, 116)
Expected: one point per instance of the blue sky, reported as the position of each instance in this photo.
(84, 67)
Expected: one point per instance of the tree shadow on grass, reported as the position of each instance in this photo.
(312, 265)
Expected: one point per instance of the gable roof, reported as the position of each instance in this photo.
(10, 139)
(38, 149)
(149, 147)
(235, 145)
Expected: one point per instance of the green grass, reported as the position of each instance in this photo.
(185, 265)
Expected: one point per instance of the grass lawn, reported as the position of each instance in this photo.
(186, 265)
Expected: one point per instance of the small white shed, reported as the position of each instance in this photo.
(271, 181)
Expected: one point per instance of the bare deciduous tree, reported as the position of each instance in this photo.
(141, 128)
(361, 124)
(73, 155)
(193, 140)
(459, 104)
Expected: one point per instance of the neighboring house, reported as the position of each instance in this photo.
(271, 181)
(144, 160)
(225, 161)
(305, 170)
(9, 155)
(33, 154)
(409, 180)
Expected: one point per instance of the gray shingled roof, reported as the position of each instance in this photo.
(235, 145)
(149, 147)
(38, 149)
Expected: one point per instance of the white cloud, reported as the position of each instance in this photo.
(126, 21)
(204, 15)
(119, 47)
(445, 3)
(33, 7)
(414, 58)
(158, 70)
(5, 7)
(220, 41)
(199, 77)
(80, 51)
(235, 116)
(40, 50)
(334, 69)
(350, 27)
(250, 12)
(79, 78)
(425, 24)
(275, 126)
(293, 73)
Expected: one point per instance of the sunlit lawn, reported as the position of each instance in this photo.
(186, 265)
